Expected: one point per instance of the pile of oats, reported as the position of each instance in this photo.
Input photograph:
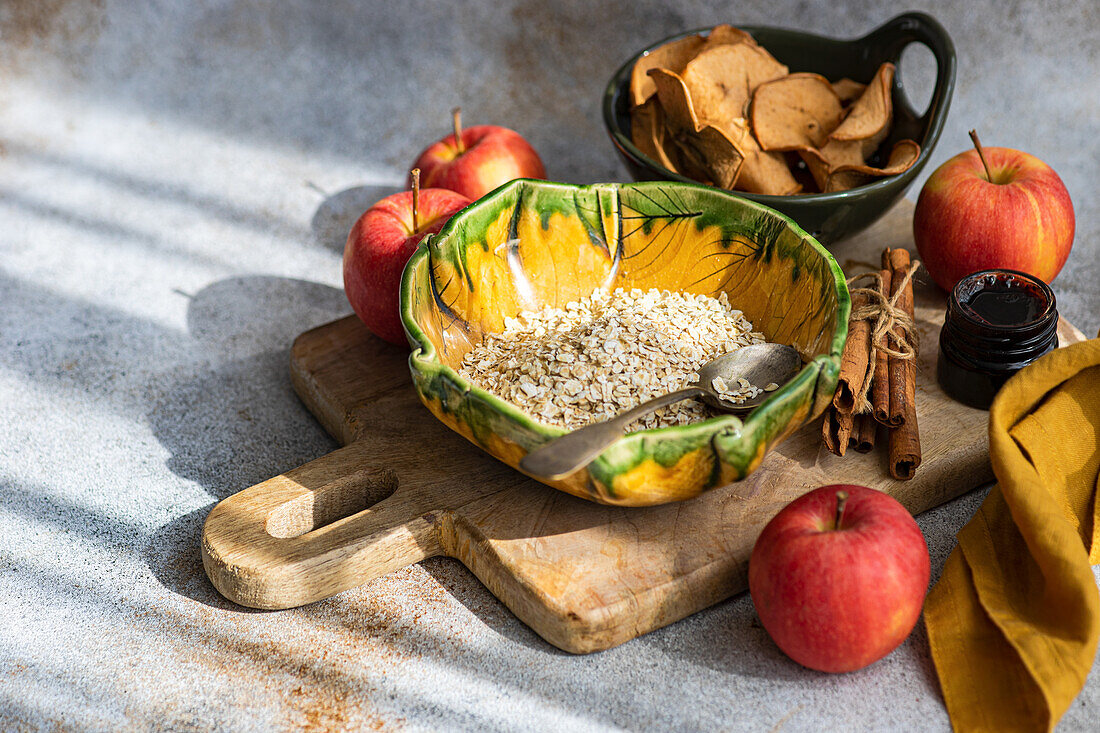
(596, 357)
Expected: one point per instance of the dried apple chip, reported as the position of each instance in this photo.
(817, 165)
(726, 34)
(648, 133)
(848, 159)
(673, 55)
(676, 101)
(762, 172)
(835, 154)
(801, 173)
(711, 150)
(903, 155)
(795, 112)
(721, 79)
(872, 112)
(848, 90)
(707, 151)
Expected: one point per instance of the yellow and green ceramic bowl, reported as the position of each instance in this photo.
(563, 242)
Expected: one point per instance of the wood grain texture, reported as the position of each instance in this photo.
(586, 577)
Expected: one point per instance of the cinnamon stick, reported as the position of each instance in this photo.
(828, 431)
(836, 430)
(902, 379)
(905, 451)
(849, 396)
(880, 383)
(905, 455)
(863, 433)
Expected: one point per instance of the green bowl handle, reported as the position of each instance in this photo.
(890, 39)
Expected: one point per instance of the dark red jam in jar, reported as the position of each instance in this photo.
(998, 322)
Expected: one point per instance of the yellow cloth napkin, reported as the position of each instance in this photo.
(1014, 620)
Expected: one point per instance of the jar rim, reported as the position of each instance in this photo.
(969, 314)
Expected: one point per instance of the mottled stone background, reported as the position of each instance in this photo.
(176, 181)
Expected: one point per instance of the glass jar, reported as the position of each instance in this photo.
(997, 322)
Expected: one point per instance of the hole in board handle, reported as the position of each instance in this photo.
(331, 502)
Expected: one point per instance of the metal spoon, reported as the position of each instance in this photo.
(760, 364)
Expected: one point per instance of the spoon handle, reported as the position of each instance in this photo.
(562, 456)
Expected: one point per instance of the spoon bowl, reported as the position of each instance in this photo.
(759, 364)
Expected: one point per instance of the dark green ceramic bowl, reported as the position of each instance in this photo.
(829, 217)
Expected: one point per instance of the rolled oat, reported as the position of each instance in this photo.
(596, 357)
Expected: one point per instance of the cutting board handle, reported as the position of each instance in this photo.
(309, 534)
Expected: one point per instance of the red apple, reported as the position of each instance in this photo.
(838, 577)
(379, 245)
(1011, 211)
(478, 159)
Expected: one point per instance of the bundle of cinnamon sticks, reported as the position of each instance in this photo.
(878, 370)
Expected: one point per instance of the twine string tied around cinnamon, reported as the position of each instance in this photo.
(889, 321)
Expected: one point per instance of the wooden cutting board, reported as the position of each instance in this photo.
(585, 577)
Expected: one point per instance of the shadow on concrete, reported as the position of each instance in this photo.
(172, 555)
(464, 586)
(252, 314)
(235, 420)
(338, 212)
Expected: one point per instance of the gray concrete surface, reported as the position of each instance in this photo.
(176, 180)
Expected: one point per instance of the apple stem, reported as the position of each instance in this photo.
(841, 499)
(981, 154)
(416, 199)
(456, 118)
